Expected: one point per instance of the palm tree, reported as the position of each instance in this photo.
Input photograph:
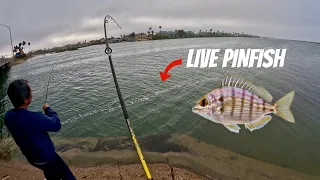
(132, 35)
(160, 28)
(29, 46)
(152, 32)
(23, 44)
(148, 32)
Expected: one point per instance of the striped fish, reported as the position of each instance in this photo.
(239, 101)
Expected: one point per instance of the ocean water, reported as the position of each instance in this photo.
(82, 91)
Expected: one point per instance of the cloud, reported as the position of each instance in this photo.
(194, 23)
(52, 23)
(74, 38)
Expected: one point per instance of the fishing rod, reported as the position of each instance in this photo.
(108, 51)
(49, 80)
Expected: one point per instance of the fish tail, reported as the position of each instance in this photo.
(284, 105)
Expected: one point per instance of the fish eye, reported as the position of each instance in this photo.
(203, 102)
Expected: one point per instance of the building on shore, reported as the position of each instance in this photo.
(142, 37)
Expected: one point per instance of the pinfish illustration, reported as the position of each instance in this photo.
(239, 101)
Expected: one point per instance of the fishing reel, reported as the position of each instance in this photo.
(106, 50)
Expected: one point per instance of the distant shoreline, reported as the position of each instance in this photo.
(313, 42)
(77, 46)
(20, 61)
(72, 48)
(35, 53)
(306, 41)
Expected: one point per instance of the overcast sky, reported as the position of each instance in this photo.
(51, 23)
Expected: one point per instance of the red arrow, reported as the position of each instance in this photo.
(164, 75)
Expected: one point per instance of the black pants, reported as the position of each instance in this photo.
(56, 169)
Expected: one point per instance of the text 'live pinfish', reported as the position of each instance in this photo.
(237, 58)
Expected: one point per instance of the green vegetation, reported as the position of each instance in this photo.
(191, 34)
(6, 143)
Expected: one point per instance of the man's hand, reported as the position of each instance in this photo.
(45, 106)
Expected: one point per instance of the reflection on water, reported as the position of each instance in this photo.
(82, 92)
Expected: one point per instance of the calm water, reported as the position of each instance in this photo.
(82, 92)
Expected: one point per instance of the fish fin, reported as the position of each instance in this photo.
(263, 93)
(284, 105)
(258, 124)
(233, 128)
(234, 80)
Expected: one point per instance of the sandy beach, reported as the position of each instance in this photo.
(16, 62)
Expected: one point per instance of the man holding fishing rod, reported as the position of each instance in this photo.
(30, 132)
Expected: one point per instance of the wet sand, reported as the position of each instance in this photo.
(177, 155)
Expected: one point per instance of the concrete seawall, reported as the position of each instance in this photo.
(4, 64)
(171, 150)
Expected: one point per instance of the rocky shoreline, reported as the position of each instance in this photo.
(165, 155)
(18, 171)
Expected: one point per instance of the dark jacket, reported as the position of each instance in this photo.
(30, 132)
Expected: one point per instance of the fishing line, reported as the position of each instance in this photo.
(50, 79)
(108, 51)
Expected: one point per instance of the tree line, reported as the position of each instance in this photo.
(21, 46)
(149, 34)
(181, 33)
